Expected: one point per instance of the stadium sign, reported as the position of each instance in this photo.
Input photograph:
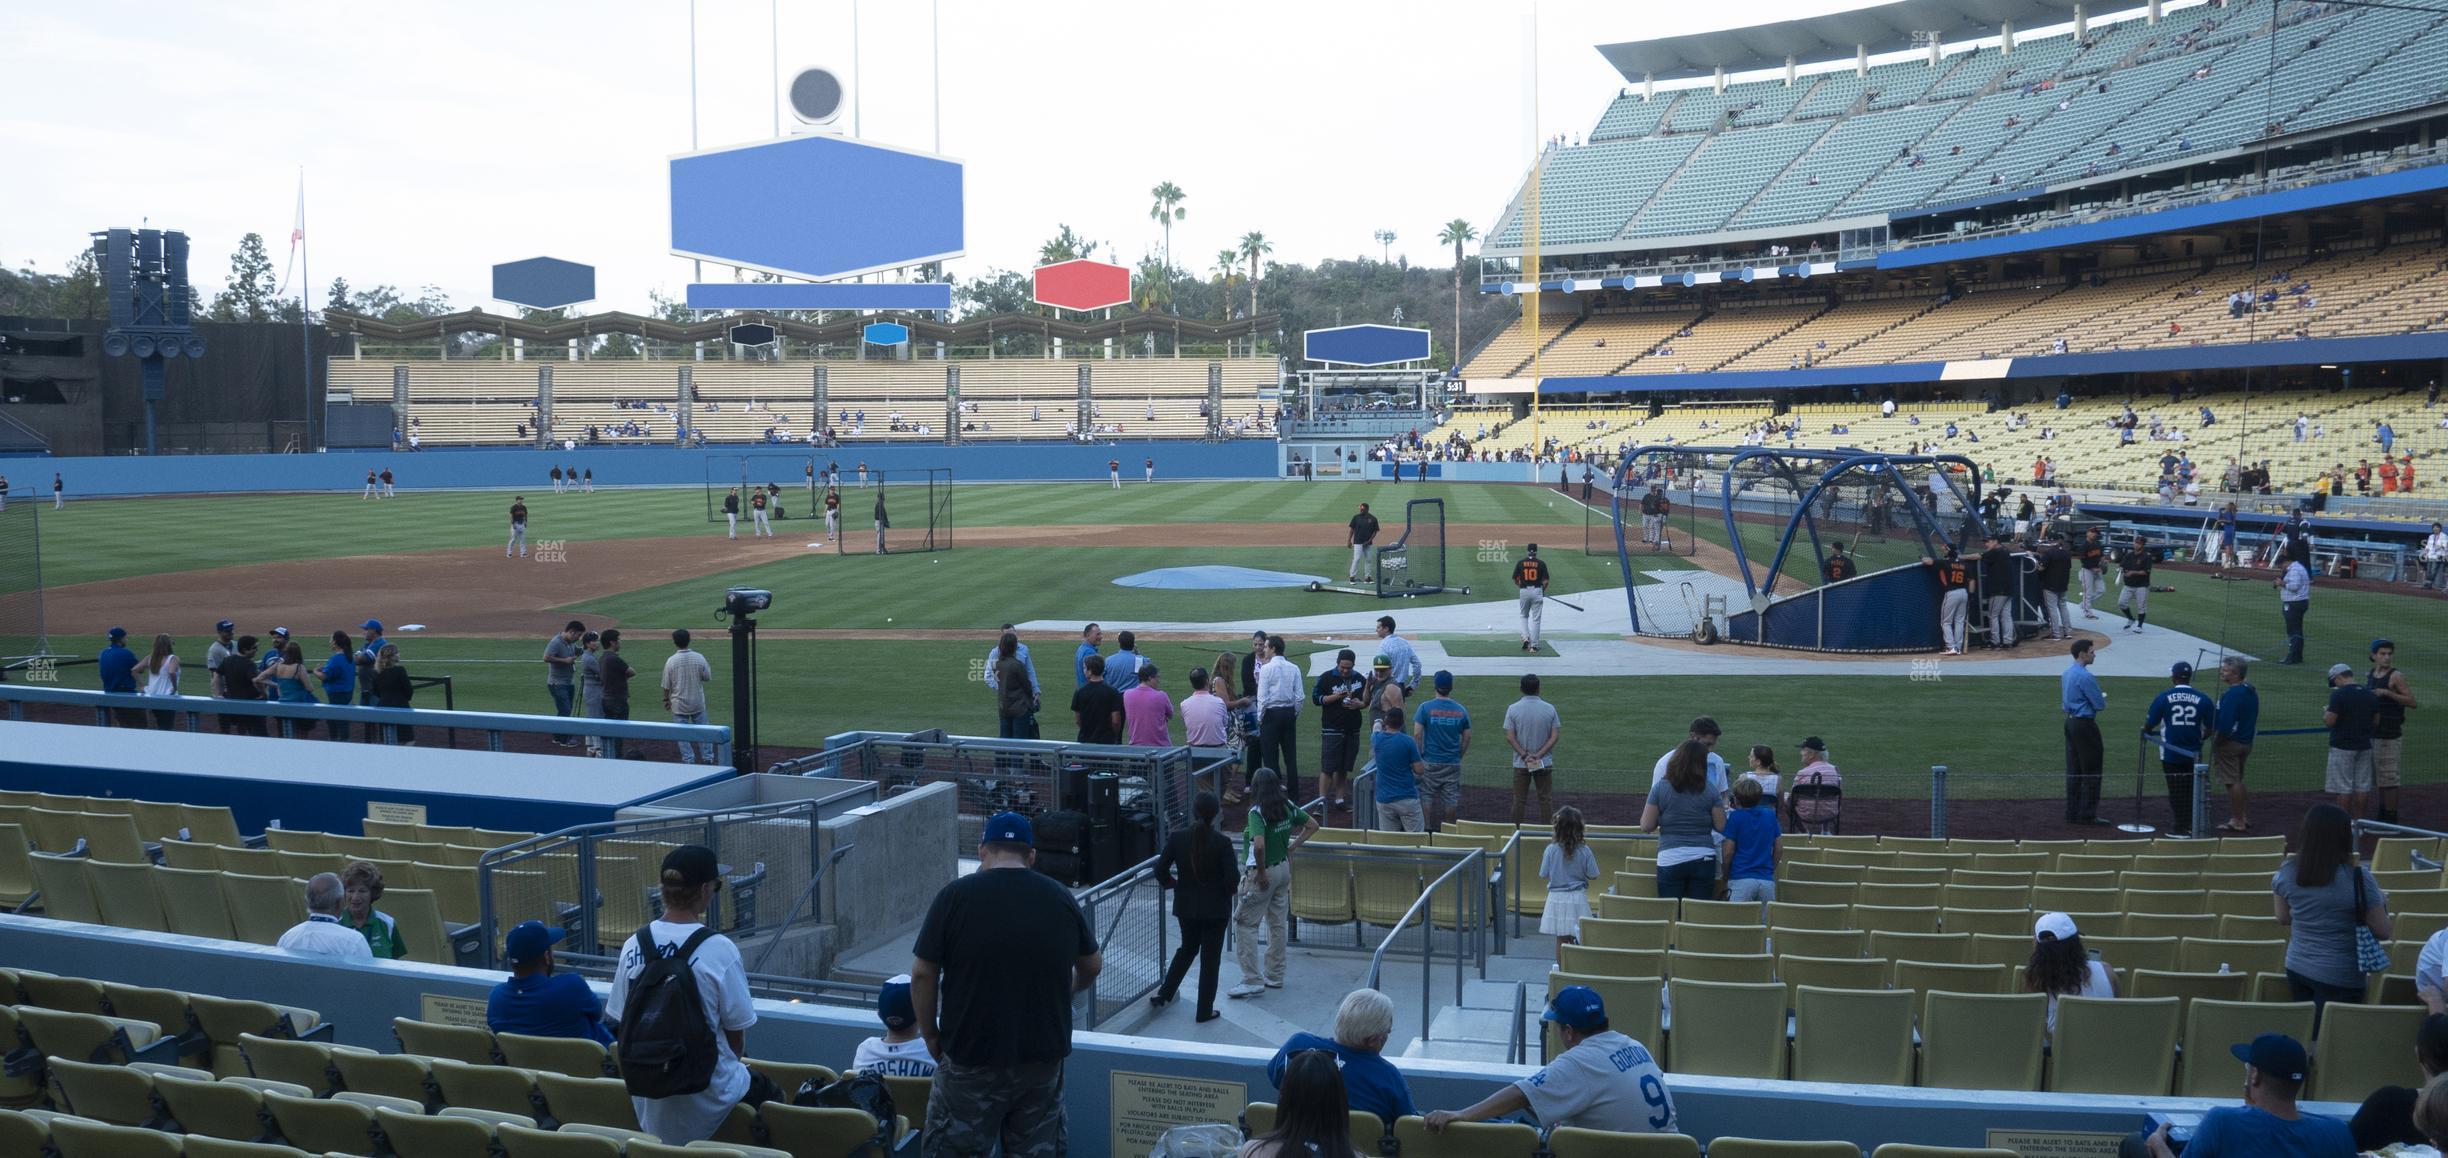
(818, 207)
(753, 334)
(1365, 345)
(886, 334)
(1080, 284)
(543, 283)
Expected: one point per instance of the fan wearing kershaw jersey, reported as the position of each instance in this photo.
(2181, 716)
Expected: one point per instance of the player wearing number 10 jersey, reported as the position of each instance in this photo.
(2181, 715)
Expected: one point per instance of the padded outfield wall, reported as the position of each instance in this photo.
(345, 470)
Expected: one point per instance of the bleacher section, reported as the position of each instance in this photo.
(1982, 122)
(484, 403)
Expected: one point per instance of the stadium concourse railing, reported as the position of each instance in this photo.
(1462, 913)
(189, 713)
(1994, 786)
(1025, 776)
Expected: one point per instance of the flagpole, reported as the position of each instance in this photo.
(305, 307)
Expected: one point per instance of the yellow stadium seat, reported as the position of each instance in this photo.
(2105, 1045)
(1983, 1041)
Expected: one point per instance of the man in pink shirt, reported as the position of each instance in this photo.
(1146, 712)
(1202, 713)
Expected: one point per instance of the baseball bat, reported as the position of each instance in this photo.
(1567, 603)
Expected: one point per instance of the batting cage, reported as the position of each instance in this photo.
(895, 511)
(1414, 564)
(21, 587)
(784, 476)
(1811, 549)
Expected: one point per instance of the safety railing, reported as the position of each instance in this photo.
(1951, 787)
(770, 986)
(602, 882)
(1467, 917)
(1517, 1041)
(1026, 776)
(1127, 915)
(2363, 828)
(391, 725)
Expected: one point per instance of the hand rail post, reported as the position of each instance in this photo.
(2201, 796)
(1938, 801)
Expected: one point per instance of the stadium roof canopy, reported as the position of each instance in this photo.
(1881, 28)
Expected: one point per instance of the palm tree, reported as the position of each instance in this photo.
(1227, 263)
(1455, 233)
(1254, 245)
(1167, 210)
(1385, 238)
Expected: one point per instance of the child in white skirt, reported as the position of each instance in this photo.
(1568, 867)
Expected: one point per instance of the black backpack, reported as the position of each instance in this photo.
(667, 1045)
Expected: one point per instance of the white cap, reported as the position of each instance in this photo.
(2056, 926)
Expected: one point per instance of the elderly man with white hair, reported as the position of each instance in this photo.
(321, 933)
(1362, 1024)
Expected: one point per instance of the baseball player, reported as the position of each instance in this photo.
(387, 492)
(1362, 536)
(3, 492)
(882, 522)
(1955, 605)
(862, 473)
(1531, 576)
(586, 481)
(373, 487)
(1113, 470)
(2134, 599)
(556, 480)
(1151, 470)
(518, 528)
(756, 513)
(811, 478)
(1654, 508)
(832, 510)
(2094, 556)
(59, 493)
(1997, 584)
(731, 511)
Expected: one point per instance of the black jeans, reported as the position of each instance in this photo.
(1202, 939)
(2084, 757)
(1278, 747)
(2179, 773)
(1693, 879)
(614, 708)
(2295, 609)
(2320, 994)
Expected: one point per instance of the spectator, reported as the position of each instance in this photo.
(322, 933)
(1197, 864)
(1122, 667)
(160, 673)
(1686, 810)
(392, 690)
(1442, 726)
(1813, 805)
(287, 676)
(1340, 693)
(1312, 1116)
(590, 685)
(1532, 728)
(1014, 682)
(2323, 896)
(361, 884)
(561, 654)
(1601, 1081)
(690, 878)
(1203, 714)
(2294, 601)
(1096, 708)
(538, 1002)
(2079, 695)
(1750, 849)
(1396, 757)
(1362, 1025)
(900, 1053)
(234, 678)
(1275, 830)
(2238, 721)
(1147, 712)
(1763, 772)
(2267, 1123)
(1091, 638)
(2351, 716)
(2061, 967)
(1568, 867)
(1279, 698)
(998, 958)
(616, 676)
(685, 676)
(2386, 1118)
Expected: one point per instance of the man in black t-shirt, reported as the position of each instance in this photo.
(998, 959)
(1839, 566)
(237, 680)
(2351, 717)
(2094, 557)
(1362, 538)
(2056, 571)
(1096, 706)
(1997, 583)
(2134, 564)
(614, 673)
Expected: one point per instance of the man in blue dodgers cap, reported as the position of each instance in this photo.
(537, 1001)
(2267, 1125)
(1601, 1080)
(1001, 953)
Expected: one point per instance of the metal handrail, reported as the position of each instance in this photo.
(1122, 885)
(1475, 859)
(1517, 1045)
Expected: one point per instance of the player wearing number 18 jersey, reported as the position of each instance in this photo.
(2181, 716)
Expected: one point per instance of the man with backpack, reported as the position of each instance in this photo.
(681, 995)
(1001, 953)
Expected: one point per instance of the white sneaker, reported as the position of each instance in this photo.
(1274, 984)
(1246, 989)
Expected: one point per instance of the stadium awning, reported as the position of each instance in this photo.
(1887, 27)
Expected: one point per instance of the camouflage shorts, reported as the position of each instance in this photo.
(973, 1107)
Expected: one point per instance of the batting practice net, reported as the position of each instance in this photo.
(1415, 563)
(21, 587)
(749, 473)
(916, 512)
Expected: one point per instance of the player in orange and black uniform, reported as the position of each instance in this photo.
(1839, 566)
(518, 527)
(2094, 558)
(832, 510)
(2134, 598)
(1113, 470)
(1955, 605)
(1531, 576)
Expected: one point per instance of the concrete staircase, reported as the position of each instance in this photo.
(1480, 1029)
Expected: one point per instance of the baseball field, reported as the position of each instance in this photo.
(860, 641)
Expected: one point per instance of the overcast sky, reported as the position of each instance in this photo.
(441, 137)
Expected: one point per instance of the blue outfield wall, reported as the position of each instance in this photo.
(345, 470)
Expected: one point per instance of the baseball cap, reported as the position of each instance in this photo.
(2274, 1054)
(1576, 1007)
(282, 632)
(1381, 661)
(1008, 828)
(528, 940)
(1444, 681)
(2055, 927)
(2339, 669)
(1532, 548)
(118, 633)
(225, 625)
(893, 1004)
(370, 625)
(1814, 743)
(689, 865)
(2181, 670)
(2382, 642)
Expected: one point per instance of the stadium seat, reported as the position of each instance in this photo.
(1897, 896)
(570, 1056)
(1607, 933)
(1698, 912)
(2211, 955)
(528, 1142)
(1611, 962)
(301, 1063)
(485, 1087)
(1465, 1139)
(211, 823)
(2106, 1045)
(1737, 1029)
(1817, 893)
(2159, 953)
(85, 1138)
(599, 1101)
(1793, 915)
(2189, 986)
(126, 897)
(106, 1093)
(641, 1148)
(1983, 1041)
(1966, 896)
(2236, 903)
(472, 1045)
(1831, 973)
(1769, 1148)
(225, 1020)
(1854, 1037)
(2170, 925)
(789, 1076)
(323, 1125)
(2048, 898)
(1908, 1150)
(1575, 1142)
(2002, 922)
(192, 902)
(1791, 871)
(1817, 942)
(66, 888)
(296, 840)
(2212, 1025)
(1737, 967)
(225, 1148)
(86, 1036)
(2163, 901)
(395, 1075)
(69, 994)
(262, 908)
(1720, 939)
(1881, 918)
(22, 1133)
(429, 1136)
(1939, 947)
(1322, 894)
(190, 854)
(2362, 1048)
(1926, 976)
(1368, 1131)
(16, 870)
(815, 1129)
(1632, 1003)
(220, 1109)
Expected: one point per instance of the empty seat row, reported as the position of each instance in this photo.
(1410, 1137)
(232, 906)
